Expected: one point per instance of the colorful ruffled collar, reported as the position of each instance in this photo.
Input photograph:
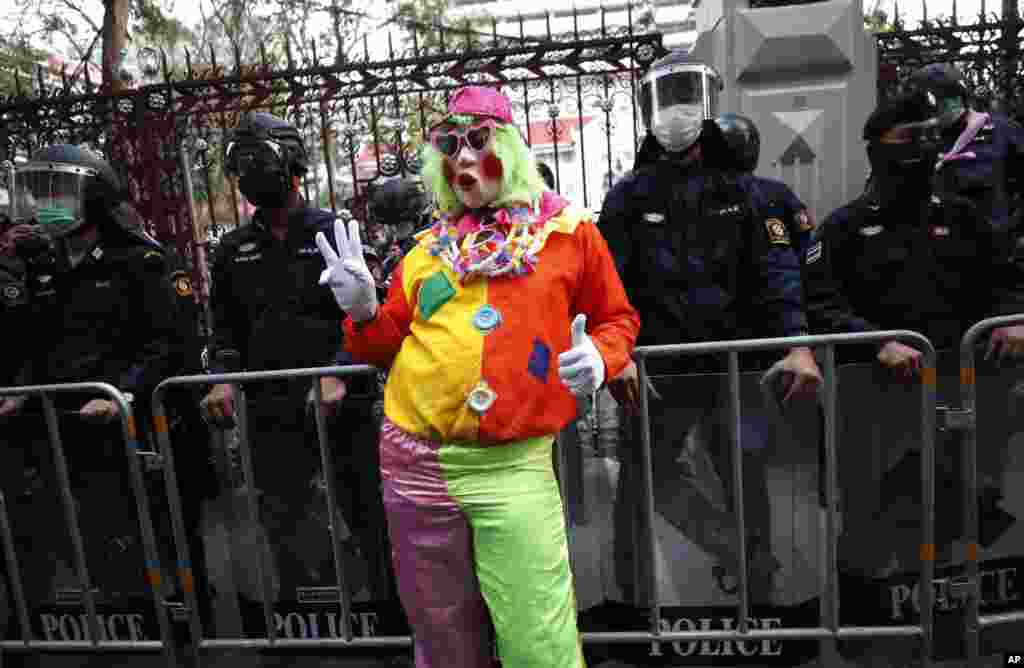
(493, 242)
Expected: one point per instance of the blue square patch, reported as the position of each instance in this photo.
(434, 293)
(540, 361)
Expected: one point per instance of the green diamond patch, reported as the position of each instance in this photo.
(434, 293)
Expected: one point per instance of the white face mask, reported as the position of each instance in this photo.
(677, 127)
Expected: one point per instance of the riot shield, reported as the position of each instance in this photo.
(283, 554)
(880, 479)
(695, 530)
(55, 499)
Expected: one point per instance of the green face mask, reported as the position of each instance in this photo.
(56, 220)
(952, 106)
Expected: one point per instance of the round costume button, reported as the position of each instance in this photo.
(487, 318)
(481, 398)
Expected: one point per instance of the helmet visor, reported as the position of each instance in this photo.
(666, 90)
(50, 194)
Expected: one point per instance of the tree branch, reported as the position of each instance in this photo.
(78, 10)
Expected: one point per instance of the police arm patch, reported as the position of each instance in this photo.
(777, 232)
(182, 284)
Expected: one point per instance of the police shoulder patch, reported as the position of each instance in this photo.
(182, 284)
(777, 232)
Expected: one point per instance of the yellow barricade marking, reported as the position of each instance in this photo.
(160, 423)
(967, 375)
(927, 551)
(928, 376)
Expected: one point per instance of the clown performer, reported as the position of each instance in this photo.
(507, 307)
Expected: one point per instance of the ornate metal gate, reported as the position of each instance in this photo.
(572, 93)
(987, 52)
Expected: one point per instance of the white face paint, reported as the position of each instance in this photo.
(474, 171)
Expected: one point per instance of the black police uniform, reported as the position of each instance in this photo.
(270, 313)
(13, 316)
(704, 256)
(930, 267)
(113, 318)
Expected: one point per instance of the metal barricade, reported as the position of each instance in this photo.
(831, 628)
(966, 421)
(94, 632)
(186, 576)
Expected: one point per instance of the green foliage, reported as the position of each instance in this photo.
(878, 21)
(18, 59)
(426, 18)
(152, 25)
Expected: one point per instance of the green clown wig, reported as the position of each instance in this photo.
(521, 182)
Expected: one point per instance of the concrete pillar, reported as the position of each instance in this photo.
(806, 75)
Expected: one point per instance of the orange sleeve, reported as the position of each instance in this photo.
(612, 322)
(377, 341)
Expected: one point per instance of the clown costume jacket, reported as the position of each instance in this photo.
(477, 361)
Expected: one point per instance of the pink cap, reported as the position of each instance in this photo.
(481, 101)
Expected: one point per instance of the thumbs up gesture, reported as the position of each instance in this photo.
(581, 368)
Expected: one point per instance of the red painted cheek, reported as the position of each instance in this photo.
(492, 169)
(449, 173)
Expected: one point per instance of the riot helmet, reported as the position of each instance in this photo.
(741, 142)
(265, 153)
(63, 187)
(400, 204)
(904, 135)
(676, 95)
(946, 84)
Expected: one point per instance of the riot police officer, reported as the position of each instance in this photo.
(900, 257)
(981, 154)
(738, 151)
(269, 313)
(702, 260)
(105, 303)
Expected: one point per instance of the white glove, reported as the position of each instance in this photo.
(347, 274)
(581, 368)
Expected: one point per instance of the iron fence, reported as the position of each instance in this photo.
(367, 116)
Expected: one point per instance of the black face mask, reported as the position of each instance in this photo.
(266, 189)
(903, 171)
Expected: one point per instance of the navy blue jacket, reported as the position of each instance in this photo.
(704, 255)
(927, 266)
(797, 216)
(991, 179)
